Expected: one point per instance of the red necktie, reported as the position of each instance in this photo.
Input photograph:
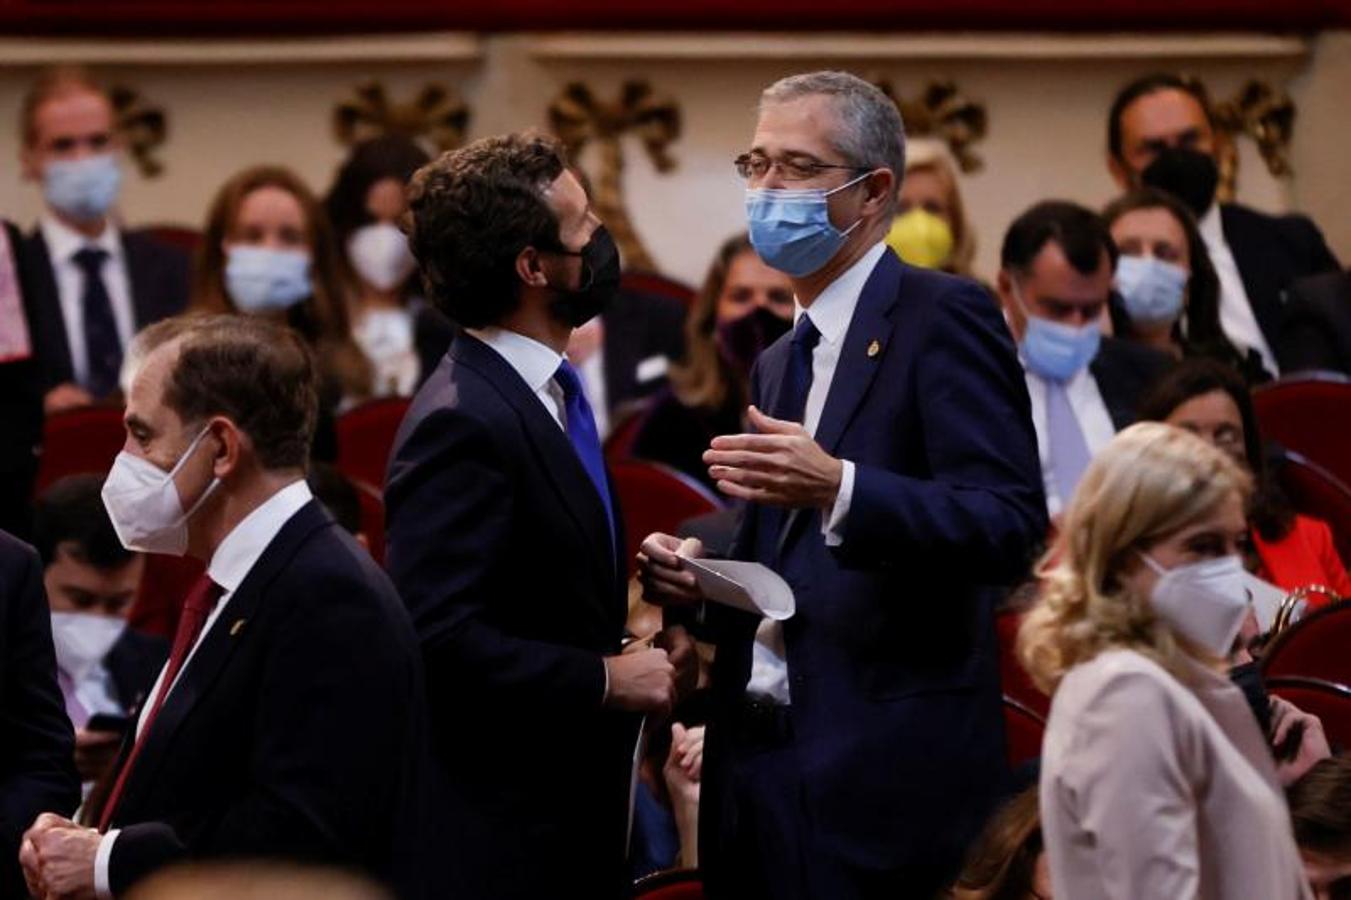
(201, 600)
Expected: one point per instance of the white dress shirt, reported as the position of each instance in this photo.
(1236, 313)
(230, 564)
(63, 242)
(1089, 409)
(831, 313)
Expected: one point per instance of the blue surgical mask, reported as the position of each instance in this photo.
(82, 189)
(1151, 290)
(1055, 351)
(261, 280)
(791, 229)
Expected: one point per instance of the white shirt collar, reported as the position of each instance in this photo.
(536, 363)
(1211, 226)
(63, 242)
(834, 307)
(242, 547)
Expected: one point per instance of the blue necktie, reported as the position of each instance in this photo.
(1069, 450)
(103, 346)
(791, 404)
(581, 428)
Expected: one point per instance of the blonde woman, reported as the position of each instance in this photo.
(1155, 782)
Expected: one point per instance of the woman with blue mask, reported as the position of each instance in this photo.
(1167, 293)
(268, 250)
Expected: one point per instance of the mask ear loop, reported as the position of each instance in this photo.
(847, 184)
(210, 489)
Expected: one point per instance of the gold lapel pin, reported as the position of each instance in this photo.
(237, 627)
(874, 348)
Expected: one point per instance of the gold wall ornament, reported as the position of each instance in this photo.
(436, 115)
(942, 111)
(142, 127)
(1266, 115)
(579, 119)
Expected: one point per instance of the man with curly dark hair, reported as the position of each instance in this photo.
(504, 535)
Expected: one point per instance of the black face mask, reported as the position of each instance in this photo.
(1189, 175)
(600, 280)
(743, 338)
(1248, 679)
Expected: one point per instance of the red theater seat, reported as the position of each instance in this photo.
(1308, 413)
(659, 285)
(78, 441)
(654, 497)
(372, 519)
(164, 587)
(673, 884)
(1329, 701)
(366, 439)
(1316, 492)
(1017, 684)
(1023, 731)
(1317, 646)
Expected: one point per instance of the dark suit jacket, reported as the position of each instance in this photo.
(499, 545)
(37, 745)
(891, 655)
(1124, 370)
(637, 327)
(1317, 331)
(294, 731)
(159, 288)
(21, 413)
(133, 665)
(1271, 252)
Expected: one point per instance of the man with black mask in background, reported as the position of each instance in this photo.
(1160, 132)
(504, 535)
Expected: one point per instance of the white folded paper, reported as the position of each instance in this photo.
(748, 586)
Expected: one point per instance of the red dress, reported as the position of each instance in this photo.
(1305, 556)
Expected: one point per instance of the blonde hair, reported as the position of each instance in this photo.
(704, 379)
(926, 156)
(1150, 482)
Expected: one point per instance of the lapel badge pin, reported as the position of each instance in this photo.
(237, 627)
(874, 348)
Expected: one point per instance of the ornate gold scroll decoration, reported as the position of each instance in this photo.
(942, 111)
(142, 126)
(436, 115)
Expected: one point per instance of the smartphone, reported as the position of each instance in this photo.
(108, 722)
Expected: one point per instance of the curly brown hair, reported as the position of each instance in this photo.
(472, 211)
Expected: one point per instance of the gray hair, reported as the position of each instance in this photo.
(871, 132)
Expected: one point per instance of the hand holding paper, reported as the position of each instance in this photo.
(662, 571)
(747, 586)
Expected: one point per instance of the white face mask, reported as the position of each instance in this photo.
(82, 640)
(144, 505)
(379, 252)
(1204, 601)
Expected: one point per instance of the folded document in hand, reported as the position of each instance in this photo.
(751, 587)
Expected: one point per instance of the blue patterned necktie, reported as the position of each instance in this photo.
(1069, 450)
(103, 346)
(791, 404)
(581, 428)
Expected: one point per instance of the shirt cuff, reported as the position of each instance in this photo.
(103, 888)
(833, 527)
(605, 667)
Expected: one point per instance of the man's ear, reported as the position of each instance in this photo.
(530, 268)
(1120, 174)
(230, 443)
(881, 187)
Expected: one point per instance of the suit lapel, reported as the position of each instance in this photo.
(552, 448)
(219, 643)
(45, 311)
(1261, 268)
(142, 287)
(865, 345)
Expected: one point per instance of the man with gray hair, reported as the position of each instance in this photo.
(892, 480)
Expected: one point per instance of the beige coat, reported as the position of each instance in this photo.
(1156, 789)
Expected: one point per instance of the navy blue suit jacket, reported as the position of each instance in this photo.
(159, 276)
(297, 729)
(891, 654)
(499, 544)
(37, 744)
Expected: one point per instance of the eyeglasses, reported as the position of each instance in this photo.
(756, 166)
